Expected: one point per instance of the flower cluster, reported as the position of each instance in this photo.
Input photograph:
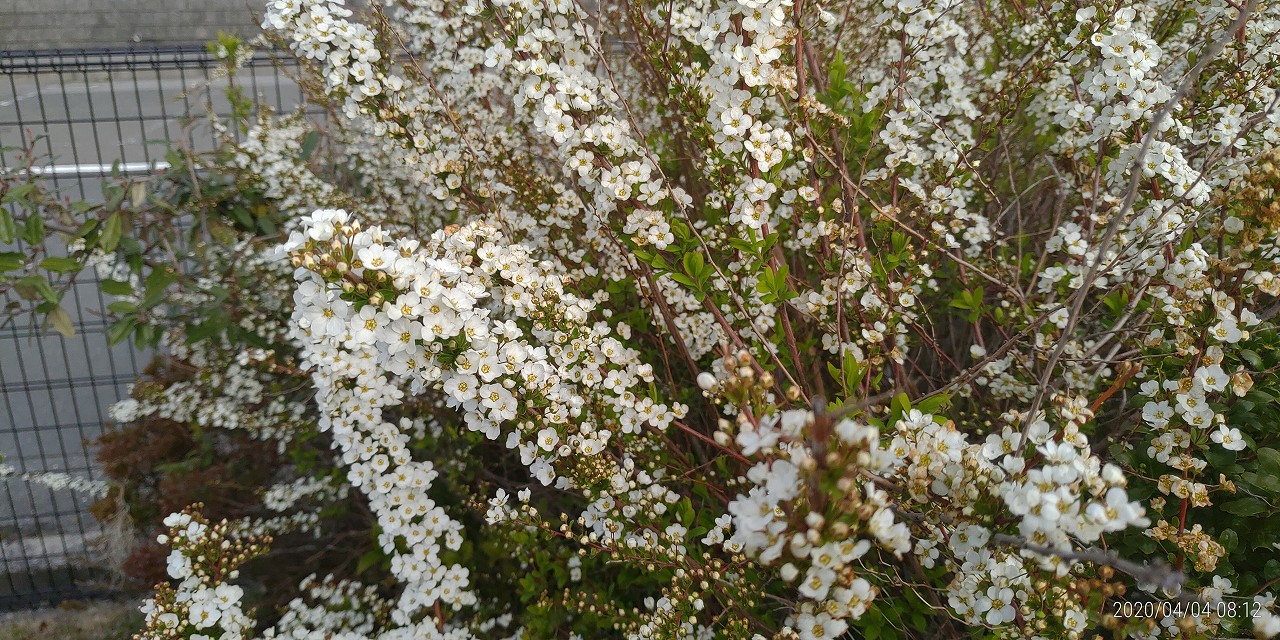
(202, 603)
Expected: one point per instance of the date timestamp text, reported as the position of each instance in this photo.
(1244, 608)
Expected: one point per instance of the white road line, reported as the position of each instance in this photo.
(20, 98)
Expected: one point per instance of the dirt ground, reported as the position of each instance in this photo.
(74, 621)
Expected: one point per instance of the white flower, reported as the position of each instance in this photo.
(204, 614)
(1212, 378)
(548, 438)
(1229, 437)
(820, 626)
(998, 605)
(817, 581)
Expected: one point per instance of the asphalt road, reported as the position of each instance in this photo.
(54, 391)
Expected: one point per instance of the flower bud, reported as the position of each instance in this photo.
(789, 572)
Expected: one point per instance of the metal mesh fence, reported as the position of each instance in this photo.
(83, 112)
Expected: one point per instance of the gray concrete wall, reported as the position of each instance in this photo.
(41, 24)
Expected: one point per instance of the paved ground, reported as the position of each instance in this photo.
(54, 391)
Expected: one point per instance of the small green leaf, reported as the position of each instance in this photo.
(33, 231)
(41, 286)
(1263, 481)
(116, 288)
(243, 216)
(1271, 570)
(309, 143)
(1229, 540)
(1245, 507)
(11, 261)
(933, 404)
(1252, 358)
(85, 227)
(367, 561)
(685, 510)
(122, 306)
(901, 403)
(60, 265)
(8, 230)
(197, 332)
(20, 194)
(899, 240)
(119, 330)
(157, 287)
(111, 230)
(145, 336)
(1269, 461)
(683, 279)
(693, 263)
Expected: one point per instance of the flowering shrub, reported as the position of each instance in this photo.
(742, 319)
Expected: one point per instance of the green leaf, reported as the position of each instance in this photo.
(693, 263)
(116, 287)
(367, 561)
(197, 332)
(145, 336)
(1245, 507)
(1252, 357)
(11, 261)
(119, 330)
(1229, 540)
(1271, 570)
(933, 404)
(122, 307)
(685, 510)
(33, 231)
(901, 403)
(899, 240)
(8, 230)
(156, 286)
(41, 286)
(683, 279)
(243, 216)
(111, 230)
(1269, 462)
(1146, 545)
(19, 193)
(85, 227)
(60, 320)
(309, 143)
(1263, 481)
(60, 265)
